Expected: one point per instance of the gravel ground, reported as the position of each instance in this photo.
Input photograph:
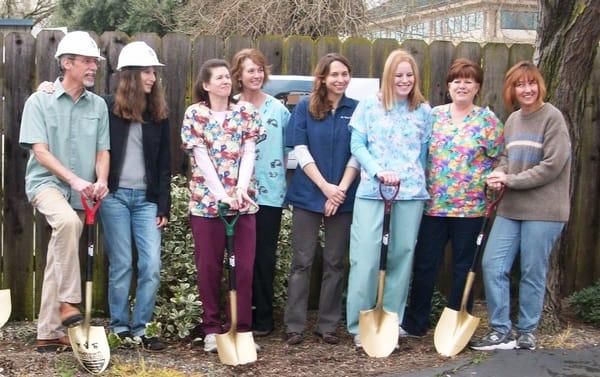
(310, 358)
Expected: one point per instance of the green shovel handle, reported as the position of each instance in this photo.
(229, 226)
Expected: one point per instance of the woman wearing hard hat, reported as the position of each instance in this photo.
(139, 182)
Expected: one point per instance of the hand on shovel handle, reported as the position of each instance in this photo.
(89, 343)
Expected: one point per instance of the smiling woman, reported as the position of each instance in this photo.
(321, 191)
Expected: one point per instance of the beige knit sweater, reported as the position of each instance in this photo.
(537, 161)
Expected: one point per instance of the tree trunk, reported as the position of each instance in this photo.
(568, 36)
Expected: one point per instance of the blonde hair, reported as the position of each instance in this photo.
(388, 94)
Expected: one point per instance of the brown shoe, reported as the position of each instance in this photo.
(293, 338)
(70, 315)
(329, 337)
(57, 345)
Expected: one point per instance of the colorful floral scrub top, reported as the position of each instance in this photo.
(393, 140)
(460, 158)
(270, 153)
(223, 143)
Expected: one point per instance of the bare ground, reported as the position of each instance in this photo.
(310, 358)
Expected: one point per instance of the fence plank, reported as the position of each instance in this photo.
(325, 45)
(45, 48)
(110, 43)
(519, 52)
(272, 48)
(441, 53)
(18, 222)
(468, 50)
(177, 75)
(205, 47)
(298, 55)
(358, 51)
(235, 43)
(420, 51)
(495, 64)
(380, 51)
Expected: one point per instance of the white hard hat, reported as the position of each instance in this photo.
(78, 43)
(138, 54)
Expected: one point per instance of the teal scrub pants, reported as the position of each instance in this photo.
(365, 247)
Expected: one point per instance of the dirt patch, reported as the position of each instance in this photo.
(310, 358)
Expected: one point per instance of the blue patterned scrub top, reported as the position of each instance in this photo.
(270, 153)
(393, 140)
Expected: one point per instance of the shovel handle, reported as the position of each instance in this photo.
(90, 211)
(387, 214)
(492, 199)
(229, 232)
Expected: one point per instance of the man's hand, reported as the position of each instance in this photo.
(82, 186)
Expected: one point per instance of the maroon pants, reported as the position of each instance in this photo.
(209, 241)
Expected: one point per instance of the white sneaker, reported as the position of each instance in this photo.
(357, 343)
(210, 343)
(405, 334)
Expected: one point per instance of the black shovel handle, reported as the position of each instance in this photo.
(90, 219)
(492, 199)
(387, 214)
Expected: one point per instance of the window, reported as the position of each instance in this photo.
(518, 20)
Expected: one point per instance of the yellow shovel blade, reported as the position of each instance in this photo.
(236, 348)
(90, 346)
(378, 330)
(5, 306)
(453, 331)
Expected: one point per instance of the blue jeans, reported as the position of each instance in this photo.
(535, 240)
(122, 213)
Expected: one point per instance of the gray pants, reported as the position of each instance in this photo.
(305, 232)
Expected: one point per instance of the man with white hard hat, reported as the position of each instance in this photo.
(67, 135)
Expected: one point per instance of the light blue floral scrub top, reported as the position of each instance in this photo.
(393, 140)
(270, 153)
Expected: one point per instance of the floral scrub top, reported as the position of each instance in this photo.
(460, 158)
(270, 164)
(224, 145)
(393, 140)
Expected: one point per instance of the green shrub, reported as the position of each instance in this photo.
(178, 307)
(284, 260)
(438, 303)
(586, 304)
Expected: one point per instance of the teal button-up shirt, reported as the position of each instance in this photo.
(74, 132)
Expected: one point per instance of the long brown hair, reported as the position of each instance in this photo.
(522, 70)
(319, 105)
(131, 101)
(388, 96)
(204, 76)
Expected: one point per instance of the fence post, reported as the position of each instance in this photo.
(18, 214)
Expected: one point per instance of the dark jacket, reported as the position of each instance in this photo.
(157, 156)
(328, 142)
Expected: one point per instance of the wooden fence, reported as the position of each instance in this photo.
(29, 60)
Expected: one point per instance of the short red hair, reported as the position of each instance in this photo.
(523, 70)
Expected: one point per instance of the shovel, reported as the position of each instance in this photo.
(379, 328)
(455, 328)
(89, 343)
(5, 306)
(234, 348)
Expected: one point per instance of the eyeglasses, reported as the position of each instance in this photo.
(86, 60)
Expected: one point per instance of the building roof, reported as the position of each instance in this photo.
(16, 22)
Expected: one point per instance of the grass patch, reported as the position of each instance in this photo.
(140, 369)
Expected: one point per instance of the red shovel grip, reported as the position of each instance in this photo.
(90, 212)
